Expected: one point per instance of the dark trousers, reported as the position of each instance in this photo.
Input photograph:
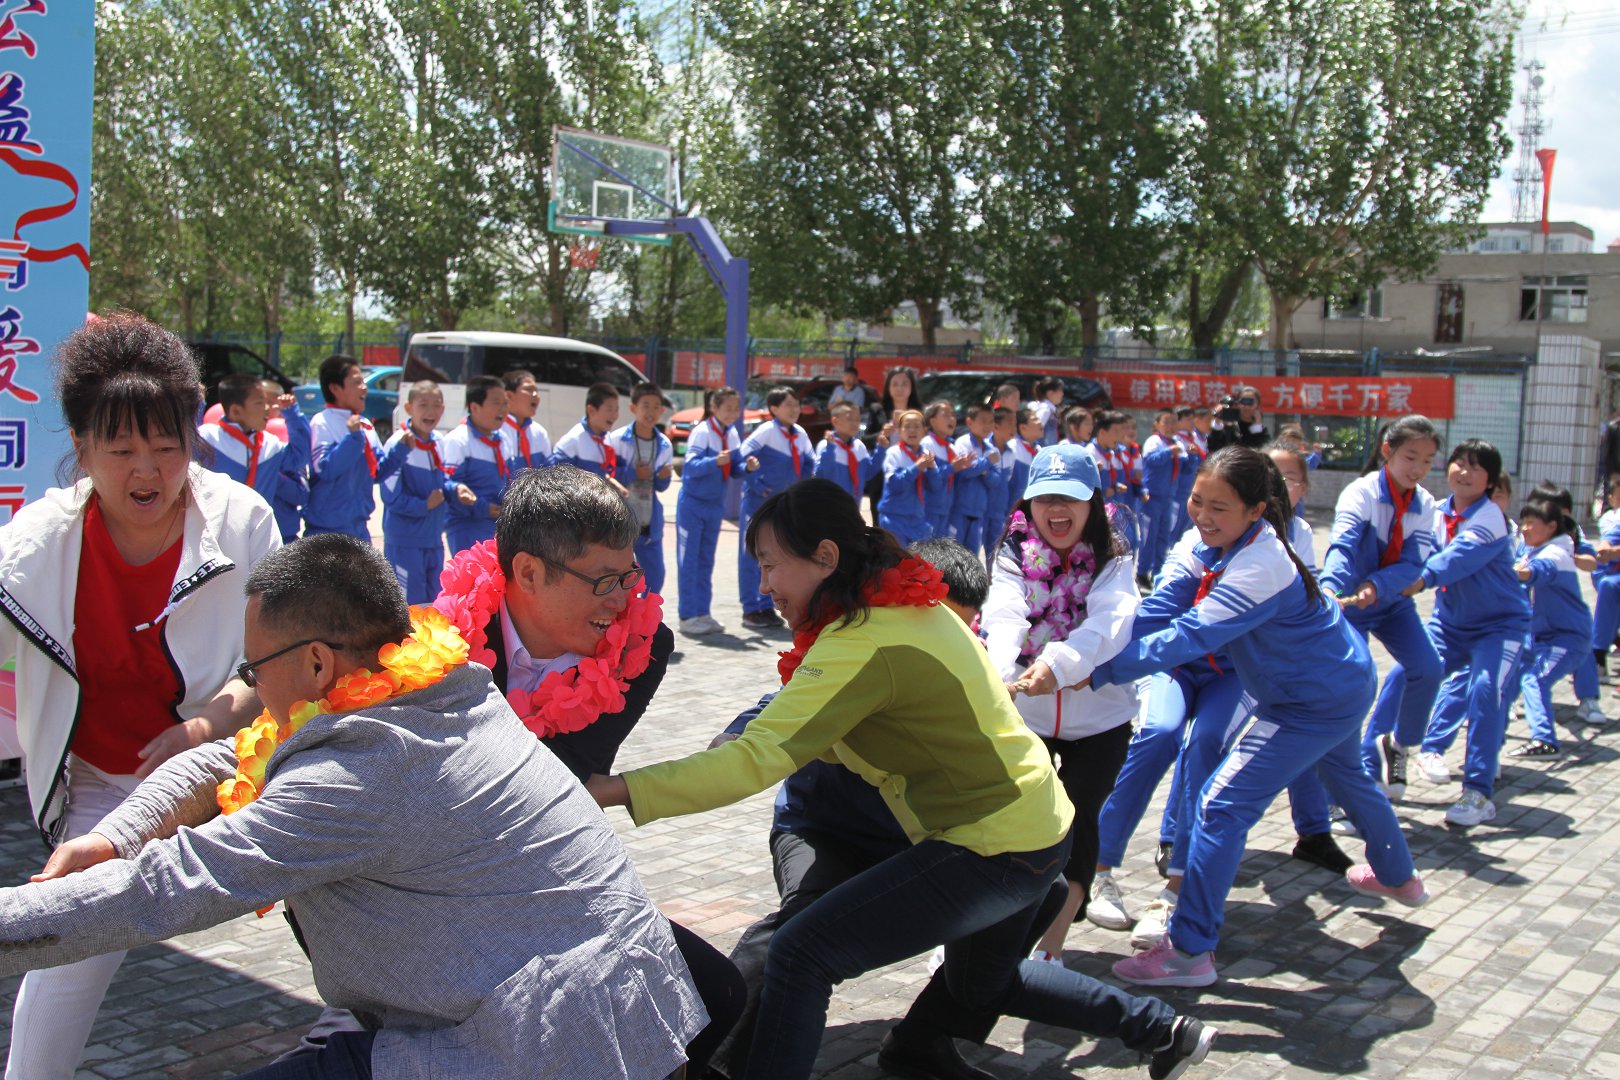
(339, 1055)
(984, 909)
(1088, 768)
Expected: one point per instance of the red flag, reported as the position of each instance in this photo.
(1546, 158)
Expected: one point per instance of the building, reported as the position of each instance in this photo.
(1493, 296)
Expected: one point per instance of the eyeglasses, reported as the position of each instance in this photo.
(602, 586)
(245, 671)
(1248, 401)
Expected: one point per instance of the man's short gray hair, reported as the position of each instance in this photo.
(556, 513)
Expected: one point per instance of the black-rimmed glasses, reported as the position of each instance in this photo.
(245, 670)
(602, 586)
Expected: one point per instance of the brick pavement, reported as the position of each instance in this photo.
(1512, 970)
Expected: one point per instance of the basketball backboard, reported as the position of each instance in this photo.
(600, 178)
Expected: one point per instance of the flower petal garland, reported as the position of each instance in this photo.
(910, 583)
(433, 648)
(473, 587)
(1057, 591)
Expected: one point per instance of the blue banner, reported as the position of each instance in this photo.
(47, 72)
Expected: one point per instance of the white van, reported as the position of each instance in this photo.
(564, 369)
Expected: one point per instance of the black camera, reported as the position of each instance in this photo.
(1226, 410)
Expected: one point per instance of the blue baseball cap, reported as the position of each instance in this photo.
(1063, 470)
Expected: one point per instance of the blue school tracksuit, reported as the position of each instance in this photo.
(527, 444)
(292, 485)
(1208, 696)
(1362, 523)
(941, 509)
(1196, 451)
(413, 534)
(1111, 466)
(1560, 630)
(1161, 475)
(972, 497)
(344, 468)
(1480, 622)
(849, 465)
(785, 457)
(254, 459)
(907, 492)
(1312, 680)
(1606, 615)
(585, 449)
(714, 460)
(650, 544)
(479, 461)
(998, 496)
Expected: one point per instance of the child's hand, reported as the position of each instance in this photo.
(883, 439)
(644, 470)
(666, 472)
(1411, 590)
(466, 494)
(926, 461)
(721, 739)
(356, 421)
(963, 461)
(435, 498)
(285, 401)
(753, 463)
(494, 511)
(1523, 570)
(1366, 596)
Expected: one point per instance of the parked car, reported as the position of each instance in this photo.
(964, 388)
(217, 359)
(382, 389)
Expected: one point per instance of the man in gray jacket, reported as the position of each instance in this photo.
(456, 888)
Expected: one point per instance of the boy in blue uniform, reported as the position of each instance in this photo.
(344, 455)
(417, 494)
(969, 502)
(783, 451)
(292, 481)
(842, 457)
(585, 446)
(1161, 477)
(998, 482)
(242, 449)
(646, 462)
(528, 446)
(714, 461)
(475, 454)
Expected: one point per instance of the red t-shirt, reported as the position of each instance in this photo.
(128, 689)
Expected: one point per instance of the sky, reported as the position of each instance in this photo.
(1579, 42)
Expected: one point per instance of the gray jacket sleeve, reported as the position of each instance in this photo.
(179, 792)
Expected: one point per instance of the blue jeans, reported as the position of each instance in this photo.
(346, 1056)
(931, 894)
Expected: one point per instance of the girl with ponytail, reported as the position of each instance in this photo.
(1312, 680)
(1560, 621)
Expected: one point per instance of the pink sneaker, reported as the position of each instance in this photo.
(1164, 965)
(1362, 879)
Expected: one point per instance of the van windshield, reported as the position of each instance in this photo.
(441, 363)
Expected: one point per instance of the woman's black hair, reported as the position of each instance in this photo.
(778, 394)
(122, 372)
(1544, 509)
(1483, 454)
(1098, 533)
(1397, 433)
(714, 397)
(888, 400)
(811, 511)
(1256, 479)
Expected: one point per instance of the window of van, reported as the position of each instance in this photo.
(441, 363)
(558, 367)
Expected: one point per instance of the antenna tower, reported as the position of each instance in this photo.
(1527, 174)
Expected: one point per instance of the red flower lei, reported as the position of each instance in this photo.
(471, 590)
(913, 583)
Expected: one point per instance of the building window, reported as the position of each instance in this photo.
(1357, 305)
(1448, 315)
(1557, 298)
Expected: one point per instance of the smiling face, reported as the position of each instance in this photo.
(791, 582)
(1410, 462)
(1218, 512)
(647, 409)
(727, 410)
(1467, 480)
(982, 425)
(563, 615)
(787, 412)
(1059, 519)
(846, 422)
(254, 411)
(137, 479)
(426, 409)
(602, 418)
(488, 415)
(524, 399)
(1294, 474)
(350, 394)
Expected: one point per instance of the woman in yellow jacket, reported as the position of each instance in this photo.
(896, 688)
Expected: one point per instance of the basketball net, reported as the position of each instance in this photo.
(582, 254)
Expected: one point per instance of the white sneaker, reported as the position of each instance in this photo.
(698, 625)
(937, 960)
(715, 625)
(1472, 809)
(1590, 711)
(1432, 767)
(1106, 908)
(1154, 922)
(1518, 711)
(1041, 956)
(1339, 824)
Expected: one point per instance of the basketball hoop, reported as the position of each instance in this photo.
(582, 254)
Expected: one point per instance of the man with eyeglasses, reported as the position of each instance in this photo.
(1238, 422)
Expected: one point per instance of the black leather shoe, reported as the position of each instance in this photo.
(1161, 861)
(1320, 848)
(934, 1059)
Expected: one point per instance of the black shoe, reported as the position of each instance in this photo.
(935, 1059)
(1162, 859)
(1320, 848)
(1391, 767)
(1189, 1044)
(761, 620)
(1536, 748)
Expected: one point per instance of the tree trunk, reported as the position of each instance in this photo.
(1207, 329)
(350, 288)
(1090, 321)
(1282, 321)
(928, 320)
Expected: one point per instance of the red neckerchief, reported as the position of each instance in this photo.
(371, 455)
(950, 456)
(854, 466)
(610, 459)
(1028, 447)
(494, 444)
(725, 451)
(1397, 528)
(1207, 582)
(523, 440)
(432, 449)
(1108, 456)
(792, 436)
(1175, 462)
(916, 457)
(913, 583)
(1452, 521)
(254, 444)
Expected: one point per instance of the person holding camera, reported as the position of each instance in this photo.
(1238, 421)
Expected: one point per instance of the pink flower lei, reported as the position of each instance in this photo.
(471, 590)
(1057, 589)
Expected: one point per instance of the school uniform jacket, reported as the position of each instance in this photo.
(944, 452)
(341, 480)
(582, 448)
(1479, 591)
(484, 468)
(417, 472)
(704, 475)
(1297, 657)
(972, 497)
(785, 458)
(908, 489)
(527, 444)
(1161, 468)
(833, 463)
(228, 455)
(1361, 530)
(1110, 610)
(1023, 455)
(624, 447)
(1557, 608)
(1609, 533)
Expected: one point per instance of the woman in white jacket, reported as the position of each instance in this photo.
(1062, 600)
(124, 604)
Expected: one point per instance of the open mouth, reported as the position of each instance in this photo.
(144, 499)
(1059, 525)
(601, 625)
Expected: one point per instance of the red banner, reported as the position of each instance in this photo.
(1306, 394)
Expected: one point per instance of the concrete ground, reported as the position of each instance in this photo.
(1512, 970)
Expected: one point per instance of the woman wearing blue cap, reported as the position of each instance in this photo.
(1062, 600)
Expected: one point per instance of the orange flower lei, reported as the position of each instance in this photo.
(424, 658)
(912, 583)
